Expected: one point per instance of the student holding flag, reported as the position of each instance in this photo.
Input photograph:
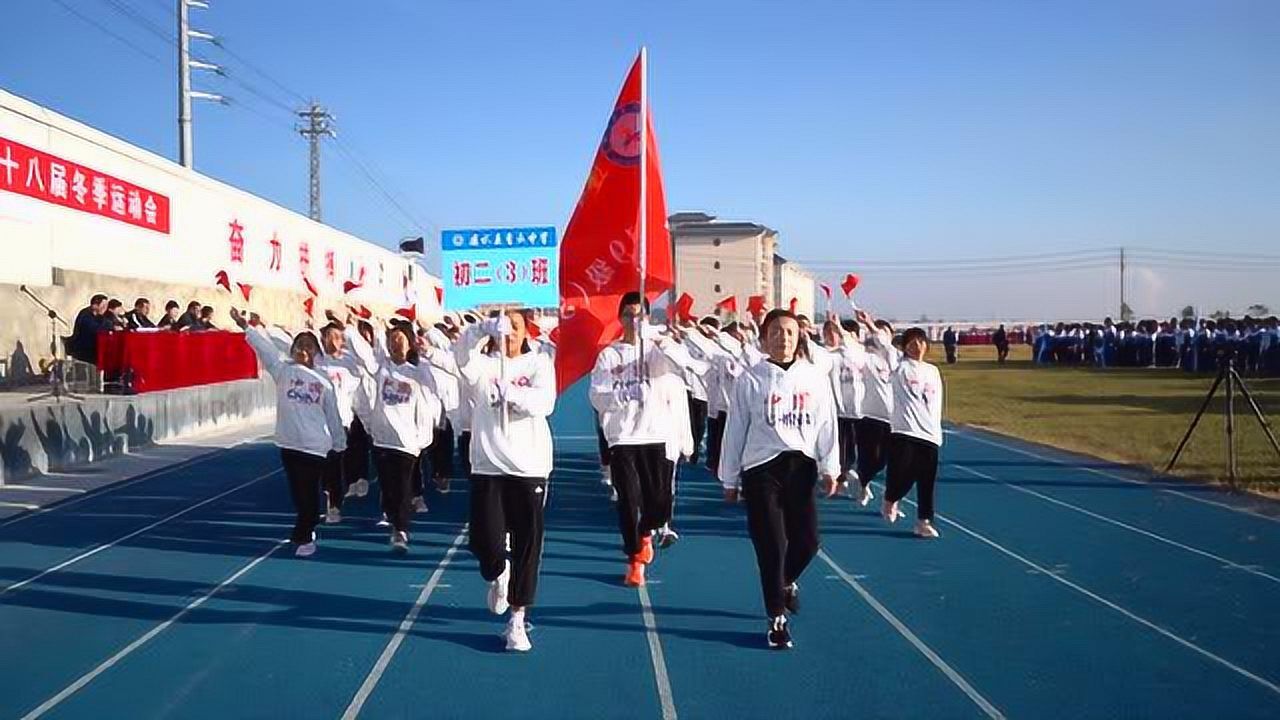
(873, 428)
(780, 436)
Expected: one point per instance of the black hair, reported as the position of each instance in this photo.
(141, 301)
(206, 310)
(330, 326)
(710, 322)
(915, 333)
(884, 325)
(850, 326)
(97, 299)
(193, 305)
(171, 305)
(113, 303)
(632, 298)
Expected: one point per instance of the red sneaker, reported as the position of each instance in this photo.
(646, 550)
(635, 574)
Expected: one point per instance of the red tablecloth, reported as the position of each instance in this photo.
(165, 360)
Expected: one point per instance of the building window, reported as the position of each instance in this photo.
(717, 265)
(717, 288)
(716, 242)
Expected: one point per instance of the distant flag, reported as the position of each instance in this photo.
(439, 295)
(684, 307)
(729, 304)
(792, 306)
(534, 331)
(620, 219)
(415, 245)
(350, 285)
(245, 289)
(826, 290)
(850, 284)
(310, 288)
(409, 313)
(363, 312)
(221, 278)
(755, 304)
(309, 306)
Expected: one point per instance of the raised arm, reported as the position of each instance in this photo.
(272, 359)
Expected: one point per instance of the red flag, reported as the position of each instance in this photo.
(826, 290)
(350, 285)
(409, 313)
(600, 253)
(755, 304)
(792, 306)
(684, 307)
(310, 288)
(849, 284)
(245, 289)
(363, 313)
(439, 295)
(309, 305)
(222, 279)
(535, 332)
(729, 304)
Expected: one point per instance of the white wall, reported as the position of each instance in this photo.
(38, 236)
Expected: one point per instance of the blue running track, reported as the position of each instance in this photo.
(1062, 587)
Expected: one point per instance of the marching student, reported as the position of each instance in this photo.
(871, 431)
(780, 435)
(436, 350)
(359, 444)
(849, 362)
(636, 423)
(344, 373)
(672, 390)
(511, 460)
(404, 410)
(308, 424)
(917, 433)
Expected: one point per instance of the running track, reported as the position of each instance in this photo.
(1062, 588)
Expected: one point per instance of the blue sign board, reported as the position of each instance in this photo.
(500, 266)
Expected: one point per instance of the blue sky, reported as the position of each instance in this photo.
(860, 130)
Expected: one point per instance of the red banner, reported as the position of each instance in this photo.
(30, 172)
(600, 253)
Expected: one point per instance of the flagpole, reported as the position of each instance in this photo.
(643, 221)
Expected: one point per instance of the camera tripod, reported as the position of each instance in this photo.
(58, 367)
(1227, 373)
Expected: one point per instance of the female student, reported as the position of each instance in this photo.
(780, 435)
(344, 372)
(404, 410)
(513, 389)
(871, 431)
(917, 433)
(308, 425)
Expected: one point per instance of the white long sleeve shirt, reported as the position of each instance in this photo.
(917, 401)
(775, 411)
(527, 384)
(345, 373)
(881, 361)
(404, 408)
(620, 394)
(307, 417)
(850, 366)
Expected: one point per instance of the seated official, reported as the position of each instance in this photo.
(83, 342)
(205, 321)
(172, 311)
(190, 318)
(114, 317)
(137, 318)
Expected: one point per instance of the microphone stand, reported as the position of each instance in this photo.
(58, 370)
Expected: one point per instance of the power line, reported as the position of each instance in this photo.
(107, 31)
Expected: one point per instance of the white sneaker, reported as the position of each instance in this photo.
(890, 512)
(400, 542)
(306, 550)
(613, 494)
(384, 522)
(606, 476)
(865, 496)
(353, 491)
(517, 635)
(925, 529)
(333, 517)
(419, 505)
(667, 537)
(498, 591)
(363, 486)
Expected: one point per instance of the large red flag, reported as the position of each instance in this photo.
(600, 254)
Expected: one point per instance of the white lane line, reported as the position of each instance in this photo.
(43, 488)
(1251, 569)
(1046, 572)
(384, 660)
(655, 652)
(24, 506)
(216, 452)
(1121, 478)
(76, 686)
(904, 631)
(107, 546)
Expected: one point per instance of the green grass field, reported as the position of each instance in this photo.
(1133, 416)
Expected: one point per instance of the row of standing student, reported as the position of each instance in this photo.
(779, 414)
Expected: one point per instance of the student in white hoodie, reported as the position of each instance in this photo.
(847, 374)
(404, 410)
(780, 436)
(359, 445)
(917, 433)
(513, 388)
(637, 426)
(308, 424)
(344, 372)
(871, 431)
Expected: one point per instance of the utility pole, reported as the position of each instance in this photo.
(1123, 305)
(319, 124)
(185, 63)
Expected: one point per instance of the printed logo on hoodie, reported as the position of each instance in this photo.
(794, 412)
(305, 393)
(396, 392)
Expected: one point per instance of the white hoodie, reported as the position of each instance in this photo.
(917, 401)
(307, 418)
(775, 411)
(345, 373)
(404, 407)
(850, 366)
(881, 361)
(622, 397)
(528, 385)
